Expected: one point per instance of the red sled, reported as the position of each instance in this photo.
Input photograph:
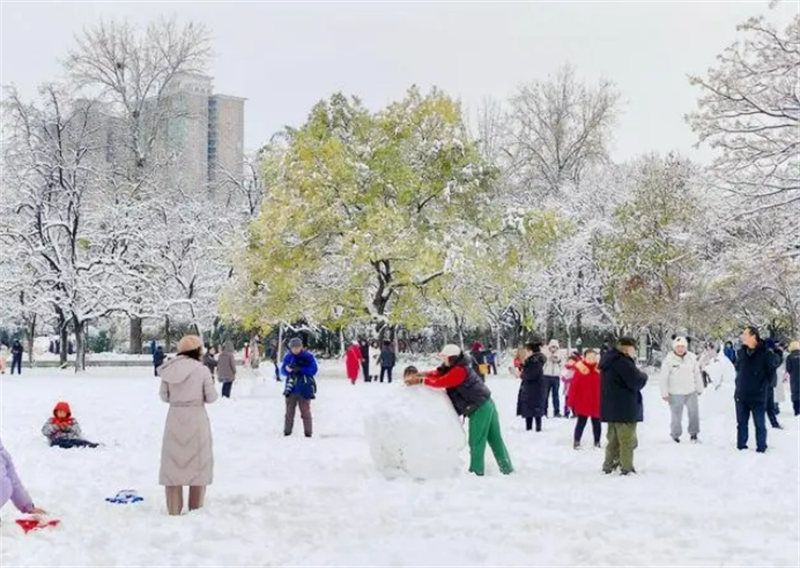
(29, 525)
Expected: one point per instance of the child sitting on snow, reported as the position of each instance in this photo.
(63, 431)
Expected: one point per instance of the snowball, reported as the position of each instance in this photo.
(414, 432)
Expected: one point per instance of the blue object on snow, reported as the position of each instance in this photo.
(125, 497)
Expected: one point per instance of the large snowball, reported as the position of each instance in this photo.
(414, 432)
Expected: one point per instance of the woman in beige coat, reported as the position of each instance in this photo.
(187, 457)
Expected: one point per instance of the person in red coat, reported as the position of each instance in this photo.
(352, 362)
(584, 397)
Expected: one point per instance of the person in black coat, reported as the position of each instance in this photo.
(793, 370)
(16, 357)
(158, 359)
(755, 366)
(621, 405)
(364, 344)
(387, 360)
(771, 407)
(531, 398)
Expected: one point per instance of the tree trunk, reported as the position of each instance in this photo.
(31, 337)
(80, 344)
(279, 353)
(166, 334)
(135, 345)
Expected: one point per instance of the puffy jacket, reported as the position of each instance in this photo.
(584, 391)
(552, 368)
(387, 358)
(301, 379)
(680, 375)
(11, 487)
(620, 386)
(754, 371)
(464, 386)
(226, 365)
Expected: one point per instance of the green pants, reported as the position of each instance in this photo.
(621, 443)
(484, 426)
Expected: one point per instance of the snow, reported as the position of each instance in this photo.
(323, 502)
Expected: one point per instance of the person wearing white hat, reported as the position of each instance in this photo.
(681, 384)
(472, 399)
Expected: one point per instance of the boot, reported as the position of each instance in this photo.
(174, 496)
(676, 439)
(576, 445)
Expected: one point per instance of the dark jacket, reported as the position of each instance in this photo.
(620, 385)
(793, 368)
(754, 371)
(388, 358)
(531, 398)
(17, 350)
(158, 357)
(226, 365)
(209, 362)
(301, 379)
(467, 395)
(730, 353)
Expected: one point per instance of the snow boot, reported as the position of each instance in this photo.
(576, 445)
(628, 471)
(676, 439)
(694, 438)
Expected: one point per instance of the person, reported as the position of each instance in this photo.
(63, 431)
(158, 359)
(754, 369)
(730, 352)
(584, 398)
(472, 399)
(479, 364)
(530, 400)
(387, 361)
(11, 487)
(352, 362)
(187, 453)
(777, 360)
(210, 361)
(4, 353)
(793, 372)
(365, 360)
(708, 355)
(491, 360)
(300, 369)
(567, 374)
(16, 357)
(552, 377)
(226, 368)
(621, 407)
(681, 384)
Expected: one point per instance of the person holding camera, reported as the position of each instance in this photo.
(300, 369)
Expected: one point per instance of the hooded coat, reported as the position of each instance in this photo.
(226, 365)
(755, 369)
(62, 428)
(187, 456)
(584, 391)
(620, 386)
(352, 361)
(11, 488)
(531, 398)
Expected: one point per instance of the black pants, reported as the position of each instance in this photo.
(365, 370)
(796, 406)
(16, 363)
(551, 386)
(226, 389)
(388, 372)
(744, 409)
(529, 423)
(66, 444)
(770, 407)
(493, 368)
(596, 429)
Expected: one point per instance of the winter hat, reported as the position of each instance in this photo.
(189, 343)
(477, 346)
(62, 406)
(295, 342)
(679, 342)
(450, 350)
(794, 346)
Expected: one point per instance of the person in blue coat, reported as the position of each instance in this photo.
(158, 358)
(300, 369)
(730, 352)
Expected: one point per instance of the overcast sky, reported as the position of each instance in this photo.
(283, 57)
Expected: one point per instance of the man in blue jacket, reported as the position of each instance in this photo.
(755, 366)
(300, 369)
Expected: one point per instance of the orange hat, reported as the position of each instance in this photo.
(189, 343)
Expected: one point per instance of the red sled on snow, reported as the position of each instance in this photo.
(29, 525)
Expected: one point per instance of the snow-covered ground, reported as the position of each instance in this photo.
(321, 502)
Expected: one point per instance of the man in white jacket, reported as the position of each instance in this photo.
(681, 384)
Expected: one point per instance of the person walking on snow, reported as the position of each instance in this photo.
(584, 398)
(158, 359)
(300, 369)
(365, 360)
(11, 487)
(530, 400)
(210, 361)
(621, 383)
(552, 377)
(755, 366)
(777, 358)
(793, 371)
(352, 362)
(16, 357)
(479, 364)
(387, 360)
(681, 384)
(226, 368)
(472, 399)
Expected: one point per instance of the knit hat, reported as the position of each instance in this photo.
(450, 351)
(189, 343)
(295, 342)
(477, 346)
(794, 346)
(679, 342)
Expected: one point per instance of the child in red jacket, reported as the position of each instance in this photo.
(584, 397)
